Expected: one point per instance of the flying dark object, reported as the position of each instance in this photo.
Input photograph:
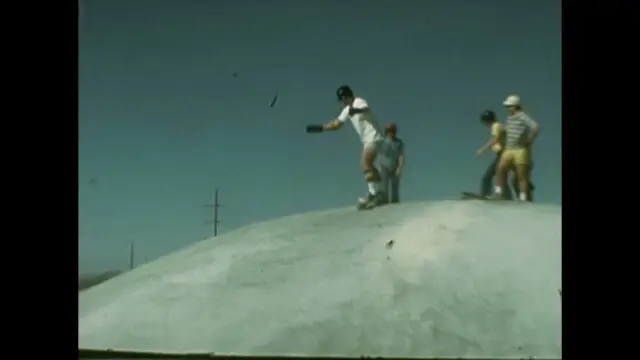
(235, 74)
(273, 102)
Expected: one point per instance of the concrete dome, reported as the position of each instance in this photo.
(461, 279)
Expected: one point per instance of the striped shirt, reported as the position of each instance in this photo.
(518, 127)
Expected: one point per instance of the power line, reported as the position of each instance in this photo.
(131, 257)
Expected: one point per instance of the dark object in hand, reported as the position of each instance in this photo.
(314, 128)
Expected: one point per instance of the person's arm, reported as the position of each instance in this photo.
(533, 125)
(400, 159)
(496, 130)
(483, 148)
(331, 125)
(359, 106)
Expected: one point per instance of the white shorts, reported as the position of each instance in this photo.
(375, 145)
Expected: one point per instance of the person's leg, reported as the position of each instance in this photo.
(385, 175)
(507, 191)
(487, 178)
(395, 188)
(514, 185)
(531, 187)
(503, 166)
(371, 174)
(522, 170)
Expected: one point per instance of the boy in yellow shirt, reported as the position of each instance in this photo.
(496, 144)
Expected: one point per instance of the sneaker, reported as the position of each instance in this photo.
(370, 201)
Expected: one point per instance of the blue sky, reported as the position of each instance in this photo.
(163, 121)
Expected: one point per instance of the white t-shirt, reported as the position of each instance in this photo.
(365, 124)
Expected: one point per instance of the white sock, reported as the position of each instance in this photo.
(498, 189)
(523, 196)
(373, 188)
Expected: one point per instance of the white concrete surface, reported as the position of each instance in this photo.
(463, 279)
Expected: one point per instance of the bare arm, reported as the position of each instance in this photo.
(535, 128)
(494, 140)
(496, 133)
(490, 143)
(332, 125)
(534, 134)
(340, 120)
(400, 159)
(400, 163)
(344, 115)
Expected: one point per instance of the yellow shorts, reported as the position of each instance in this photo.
(516, 156)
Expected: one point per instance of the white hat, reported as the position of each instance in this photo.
(512, 100)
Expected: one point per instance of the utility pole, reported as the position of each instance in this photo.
(131, 257)
(215, 205)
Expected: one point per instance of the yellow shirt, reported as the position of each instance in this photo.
(497, 130)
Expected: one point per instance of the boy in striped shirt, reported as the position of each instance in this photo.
(521, 130)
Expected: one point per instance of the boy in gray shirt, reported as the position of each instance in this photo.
(391, 164)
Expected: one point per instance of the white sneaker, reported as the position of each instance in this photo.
(369, 202)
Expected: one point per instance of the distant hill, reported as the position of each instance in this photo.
(87, 281)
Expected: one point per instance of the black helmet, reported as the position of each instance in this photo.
(344, 91)
(487, 116)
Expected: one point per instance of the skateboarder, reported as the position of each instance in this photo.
(357, 110)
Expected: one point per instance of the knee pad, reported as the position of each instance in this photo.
(372, 175)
